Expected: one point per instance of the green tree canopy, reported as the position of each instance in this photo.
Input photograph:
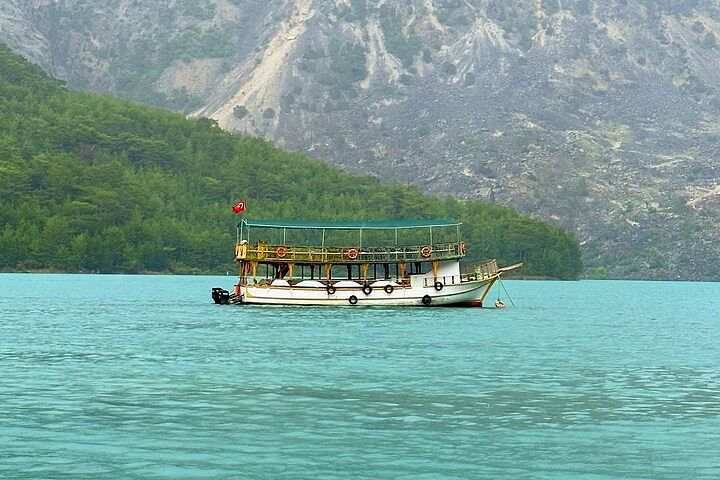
(92, 183)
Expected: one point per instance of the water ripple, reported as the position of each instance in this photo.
(156, 382)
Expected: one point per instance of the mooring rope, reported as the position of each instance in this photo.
(506, 292)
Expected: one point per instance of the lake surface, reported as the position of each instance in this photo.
(143, 377)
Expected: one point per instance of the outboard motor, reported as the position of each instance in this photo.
(220, 296)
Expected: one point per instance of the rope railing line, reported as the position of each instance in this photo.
(399, 282)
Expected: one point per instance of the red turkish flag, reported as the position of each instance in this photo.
(239, 207)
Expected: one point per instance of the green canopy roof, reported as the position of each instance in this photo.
(350, 225)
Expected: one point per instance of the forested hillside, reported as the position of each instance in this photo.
(600, 116)
(93, 183)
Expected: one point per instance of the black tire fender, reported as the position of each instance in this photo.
(330, 290)
(439, 286)
(427, 300)
(353, 300)
(388, 289)
(367, 289)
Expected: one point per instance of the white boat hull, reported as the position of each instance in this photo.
(467, 293)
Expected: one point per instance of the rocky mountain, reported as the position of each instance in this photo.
(602, 116)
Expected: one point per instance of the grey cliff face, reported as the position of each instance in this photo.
(602, 116)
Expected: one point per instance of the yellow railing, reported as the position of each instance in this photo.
(335, 255)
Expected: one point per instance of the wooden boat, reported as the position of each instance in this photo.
(357, 263)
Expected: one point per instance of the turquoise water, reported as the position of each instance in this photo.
(142, 377)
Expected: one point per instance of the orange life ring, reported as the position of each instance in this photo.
(463, 248)
(352, 254)
(281, 252)
(426, 251)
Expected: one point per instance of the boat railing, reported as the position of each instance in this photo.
(313, 254)
(446, 280)
(480, 270)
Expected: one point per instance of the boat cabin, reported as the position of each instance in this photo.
(352, 254)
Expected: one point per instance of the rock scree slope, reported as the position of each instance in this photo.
(602, 116)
